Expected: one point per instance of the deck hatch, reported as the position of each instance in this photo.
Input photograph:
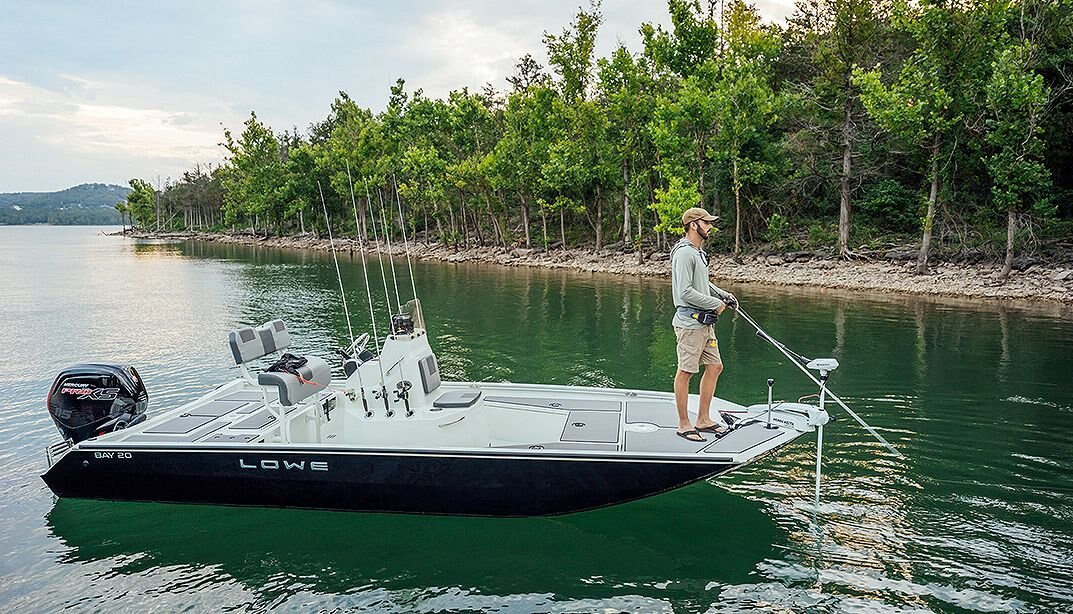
(258, 420)
(591, 427)
(215, 409)
(180, 425)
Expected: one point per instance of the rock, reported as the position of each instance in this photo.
(659, 256)
(1061, 275)
(1059, 289)
(1024, 262)
(774, 260)
(521, 252)
(901, 254)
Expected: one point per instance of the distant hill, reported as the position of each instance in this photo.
(89, 203)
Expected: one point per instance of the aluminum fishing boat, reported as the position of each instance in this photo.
(388, 435)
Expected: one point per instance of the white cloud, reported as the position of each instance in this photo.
(453, 48)
(95, 118)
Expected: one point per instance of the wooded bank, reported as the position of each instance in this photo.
(855, 124)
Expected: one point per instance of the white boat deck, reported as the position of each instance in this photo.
(538, 419)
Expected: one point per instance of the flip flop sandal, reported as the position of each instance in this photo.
(687, 436)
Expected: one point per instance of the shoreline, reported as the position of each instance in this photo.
(1037, 283)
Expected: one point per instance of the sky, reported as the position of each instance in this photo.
(100, 92)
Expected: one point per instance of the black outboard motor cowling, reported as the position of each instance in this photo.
(91, 399)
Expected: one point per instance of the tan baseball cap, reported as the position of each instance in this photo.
(696, 213)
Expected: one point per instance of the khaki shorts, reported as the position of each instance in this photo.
(696, 347)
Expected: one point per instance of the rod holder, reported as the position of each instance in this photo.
(770, 385)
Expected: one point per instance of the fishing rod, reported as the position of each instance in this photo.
(338, 275)
(379, 254)
(364, 266)
(387, 237)
(368, 293)
(402, 222)
(387, 297)
(801, 363)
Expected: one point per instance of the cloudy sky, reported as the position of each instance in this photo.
(106, 91)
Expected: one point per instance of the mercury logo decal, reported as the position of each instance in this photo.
(275, 465)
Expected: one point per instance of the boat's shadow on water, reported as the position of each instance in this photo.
(682, 541)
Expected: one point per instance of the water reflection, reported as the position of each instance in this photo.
(280, 554)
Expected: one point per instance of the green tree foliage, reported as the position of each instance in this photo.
(875, 105)
(935, 89)
(141, 203)
(254, 180)
(1017, 98)
(745, 102)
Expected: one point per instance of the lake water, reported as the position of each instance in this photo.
(978, 516)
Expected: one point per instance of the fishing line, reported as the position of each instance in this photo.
(364, 266)
(797, 358)
(387, 298)
(338, 275)
(405, 242)
(387, 237)
(379, 254)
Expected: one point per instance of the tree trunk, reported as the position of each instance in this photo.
(737, 212)
(929, 217)
(847, 162)
(465, 222)
(599, 219)
(625, 203)
(544, 225)
(700, 172)
(477, 227)
(454, 228)
(525, 220)
(562, 227)
(302, 221)
(497, 230)
(640, 242)
(1011, 234)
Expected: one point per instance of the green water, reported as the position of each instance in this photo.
(977, 517)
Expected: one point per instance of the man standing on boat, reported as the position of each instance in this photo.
(698, 304)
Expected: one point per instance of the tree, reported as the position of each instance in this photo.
(744, 102)
(571, 52)
(254, 179)
(141, 202)
(837, 36)
(626, 91)
(1016, 98)
(935, 88)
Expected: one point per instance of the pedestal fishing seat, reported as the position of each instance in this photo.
(248, 344)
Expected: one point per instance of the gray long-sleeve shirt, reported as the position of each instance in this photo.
(689, 283)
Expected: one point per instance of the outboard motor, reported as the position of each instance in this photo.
(91, 399)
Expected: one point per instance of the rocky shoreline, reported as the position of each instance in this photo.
(890, 273)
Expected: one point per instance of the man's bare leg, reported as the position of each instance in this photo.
(707, 391)
(681, 400)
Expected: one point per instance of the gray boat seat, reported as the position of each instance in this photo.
(457, 399)
(316, 373)
(252, 343)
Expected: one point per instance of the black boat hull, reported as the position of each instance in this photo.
(424, 482)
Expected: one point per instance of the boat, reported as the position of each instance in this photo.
(380, 431)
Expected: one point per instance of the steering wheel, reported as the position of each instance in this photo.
(359, 345)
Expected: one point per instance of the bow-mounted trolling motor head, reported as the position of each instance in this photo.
(823, 365)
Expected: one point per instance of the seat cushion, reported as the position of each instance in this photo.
(316, 373)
